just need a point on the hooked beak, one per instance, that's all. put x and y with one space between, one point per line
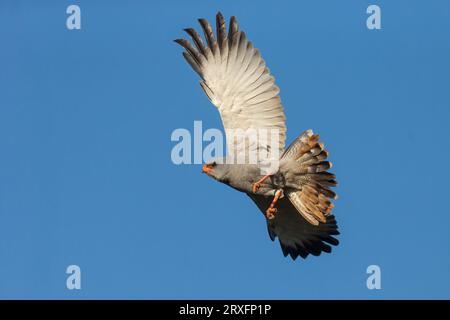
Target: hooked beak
206 169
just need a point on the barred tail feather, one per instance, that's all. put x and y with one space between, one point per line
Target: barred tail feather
310 191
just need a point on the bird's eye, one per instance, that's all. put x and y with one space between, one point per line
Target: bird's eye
211 164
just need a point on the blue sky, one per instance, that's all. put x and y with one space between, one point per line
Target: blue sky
86 176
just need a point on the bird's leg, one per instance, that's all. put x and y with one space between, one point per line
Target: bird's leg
258 184
270 212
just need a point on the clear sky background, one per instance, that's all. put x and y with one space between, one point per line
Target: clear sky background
86 176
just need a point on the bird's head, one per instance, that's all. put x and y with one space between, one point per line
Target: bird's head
216 170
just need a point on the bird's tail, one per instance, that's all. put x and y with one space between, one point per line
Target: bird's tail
309 189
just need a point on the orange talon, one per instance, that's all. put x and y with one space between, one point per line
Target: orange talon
258 184
270 212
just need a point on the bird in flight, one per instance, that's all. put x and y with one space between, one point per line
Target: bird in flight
294 195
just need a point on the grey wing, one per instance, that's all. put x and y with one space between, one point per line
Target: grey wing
235 78
297 236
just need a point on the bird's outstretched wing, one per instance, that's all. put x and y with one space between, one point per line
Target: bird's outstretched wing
236 80
297 236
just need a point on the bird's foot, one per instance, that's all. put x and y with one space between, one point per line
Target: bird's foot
257 185
270 213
